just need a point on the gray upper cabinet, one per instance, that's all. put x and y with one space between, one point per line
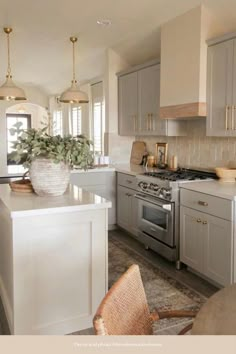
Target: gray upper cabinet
139 102
128 104
149 102
221 89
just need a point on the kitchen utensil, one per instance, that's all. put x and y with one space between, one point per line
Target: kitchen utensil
138 152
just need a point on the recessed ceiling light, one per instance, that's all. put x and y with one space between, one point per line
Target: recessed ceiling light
104 22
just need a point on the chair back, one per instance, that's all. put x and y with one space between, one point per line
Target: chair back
124 309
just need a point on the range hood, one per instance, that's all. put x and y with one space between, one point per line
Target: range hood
183 66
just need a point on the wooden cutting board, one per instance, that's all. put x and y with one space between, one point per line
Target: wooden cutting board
138 151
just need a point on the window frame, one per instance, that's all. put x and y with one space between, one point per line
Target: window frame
29 125
61 116
78 108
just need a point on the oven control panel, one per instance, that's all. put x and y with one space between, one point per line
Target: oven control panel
155 190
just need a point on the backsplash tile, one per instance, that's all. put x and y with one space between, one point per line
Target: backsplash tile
196 151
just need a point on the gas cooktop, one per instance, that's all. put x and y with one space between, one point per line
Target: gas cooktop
182 175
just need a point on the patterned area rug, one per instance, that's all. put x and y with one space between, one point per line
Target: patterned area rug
162 291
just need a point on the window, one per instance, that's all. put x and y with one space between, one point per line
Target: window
98 126
57 123
76 121
12 119
97 129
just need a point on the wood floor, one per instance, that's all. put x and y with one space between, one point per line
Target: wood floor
184 276
188 278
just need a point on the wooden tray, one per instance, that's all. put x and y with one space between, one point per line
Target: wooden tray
22 186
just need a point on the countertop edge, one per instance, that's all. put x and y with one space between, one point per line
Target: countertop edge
201 188
60 210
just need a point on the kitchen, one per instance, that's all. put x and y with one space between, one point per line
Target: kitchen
182 100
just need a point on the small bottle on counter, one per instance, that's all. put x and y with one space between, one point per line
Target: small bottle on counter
173 162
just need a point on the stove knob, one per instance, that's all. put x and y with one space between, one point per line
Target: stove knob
156 187
140 184
145 185
151 186
167 193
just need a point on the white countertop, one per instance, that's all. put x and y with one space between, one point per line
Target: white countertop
96 169
216 188
74 199
134 170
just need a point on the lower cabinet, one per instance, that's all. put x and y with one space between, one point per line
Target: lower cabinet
206 244
102 183
127 209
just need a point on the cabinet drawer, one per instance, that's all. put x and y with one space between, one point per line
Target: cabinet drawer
127 180
206 203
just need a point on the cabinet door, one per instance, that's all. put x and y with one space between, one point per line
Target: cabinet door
124 207
219 89
149 102
128 104
191 238
218 249
134 215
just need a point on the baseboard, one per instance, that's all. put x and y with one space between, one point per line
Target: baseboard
112 227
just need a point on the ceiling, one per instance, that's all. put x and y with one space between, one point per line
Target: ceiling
40 47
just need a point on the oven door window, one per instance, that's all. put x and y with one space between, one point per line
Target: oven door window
156 217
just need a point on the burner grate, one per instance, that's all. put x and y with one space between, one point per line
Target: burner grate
182 174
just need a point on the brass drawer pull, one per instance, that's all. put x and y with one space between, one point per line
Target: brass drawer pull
204 222
199 220
226 117
202 203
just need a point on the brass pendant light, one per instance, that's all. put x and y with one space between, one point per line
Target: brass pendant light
9 91
73 94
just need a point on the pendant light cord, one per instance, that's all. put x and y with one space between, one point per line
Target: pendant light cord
8 53
74 62
73 41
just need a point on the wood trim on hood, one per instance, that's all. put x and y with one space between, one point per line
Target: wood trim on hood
187 110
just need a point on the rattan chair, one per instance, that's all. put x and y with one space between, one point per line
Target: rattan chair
124 309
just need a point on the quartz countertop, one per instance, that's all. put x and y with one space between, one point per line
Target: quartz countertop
109 168
216 188
134 170
26 204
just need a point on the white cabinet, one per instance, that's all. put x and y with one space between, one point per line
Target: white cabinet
221 89
128 104
206 240
127 203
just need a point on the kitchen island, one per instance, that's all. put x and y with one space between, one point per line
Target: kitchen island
53 260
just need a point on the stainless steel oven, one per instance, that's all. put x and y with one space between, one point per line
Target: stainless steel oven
156 223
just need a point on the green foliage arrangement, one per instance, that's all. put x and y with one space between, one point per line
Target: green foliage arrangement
33 143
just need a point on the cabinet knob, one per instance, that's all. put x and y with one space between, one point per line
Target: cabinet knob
199 220
204 222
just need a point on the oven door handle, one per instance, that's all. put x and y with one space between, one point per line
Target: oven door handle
166 206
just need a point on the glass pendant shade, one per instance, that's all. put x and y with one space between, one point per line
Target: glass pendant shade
73 94
9 91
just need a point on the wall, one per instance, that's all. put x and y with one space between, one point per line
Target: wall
35 96
196 150
117 147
